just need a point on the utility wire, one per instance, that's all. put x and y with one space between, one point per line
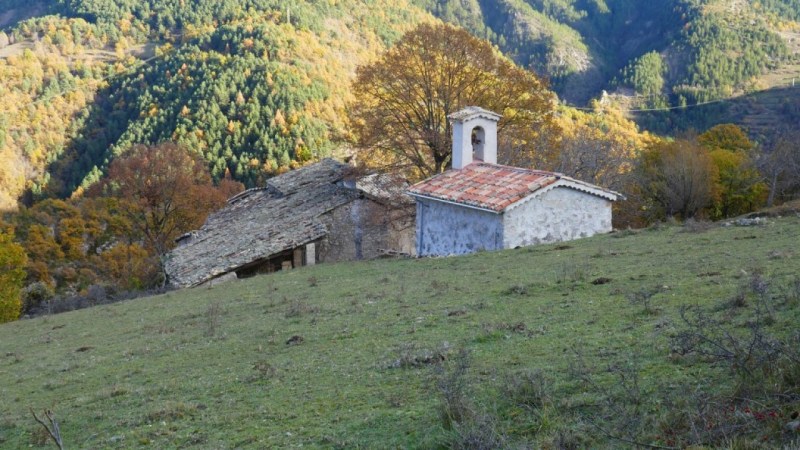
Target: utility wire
666 108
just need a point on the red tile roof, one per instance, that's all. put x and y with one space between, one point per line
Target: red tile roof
483 185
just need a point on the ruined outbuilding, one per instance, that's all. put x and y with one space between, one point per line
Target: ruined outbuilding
482 205
310 215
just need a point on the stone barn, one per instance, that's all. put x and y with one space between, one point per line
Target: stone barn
310 215
481 205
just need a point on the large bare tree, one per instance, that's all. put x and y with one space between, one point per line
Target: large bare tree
402 102
780 164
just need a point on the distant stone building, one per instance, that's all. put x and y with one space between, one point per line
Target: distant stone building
481 205
309 215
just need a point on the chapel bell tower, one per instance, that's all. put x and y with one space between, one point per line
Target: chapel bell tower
474 136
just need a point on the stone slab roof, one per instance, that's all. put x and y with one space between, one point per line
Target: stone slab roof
259 223
495 187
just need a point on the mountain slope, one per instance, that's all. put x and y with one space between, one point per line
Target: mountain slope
365 354
258 87
93 88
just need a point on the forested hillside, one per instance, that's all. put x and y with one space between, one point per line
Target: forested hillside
259 86
709 48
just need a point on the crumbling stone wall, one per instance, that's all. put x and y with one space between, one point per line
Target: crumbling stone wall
365 229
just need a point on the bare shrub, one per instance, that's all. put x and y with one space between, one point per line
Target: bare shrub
479 433
452 386
264 370
737 301
439 287
764 307
709 338
529 389
749 408
410 356
35 295
568 439
173 411
619 416
213 317
50 426
572 272
469 428
501 330
643 297
792 296
300 308
96 294
39 437
516 289
767 369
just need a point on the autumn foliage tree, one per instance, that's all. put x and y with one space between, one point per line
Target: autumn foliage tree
678 178
12 276
739 183
164 191
402 101
114 235
599 147
69 244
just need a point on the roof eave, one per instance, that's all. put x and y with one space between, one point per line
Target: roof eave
569 183
452 202
590 188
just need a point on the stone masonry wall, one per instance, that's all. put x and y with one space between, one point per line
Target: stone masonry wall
362 229
561 214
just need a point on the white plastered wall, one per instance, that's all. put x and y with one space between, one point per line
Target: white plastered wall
462 141
559 214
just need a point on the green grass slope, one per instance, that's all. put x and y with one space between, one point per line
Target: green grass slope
520 347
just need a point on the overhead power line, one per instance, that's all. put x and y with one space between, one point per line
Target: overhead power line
669 108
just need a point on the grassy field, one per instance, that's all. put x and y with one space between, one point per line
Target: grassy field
572 345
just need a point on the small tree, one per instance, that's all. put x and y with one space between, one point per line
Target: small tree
12 276
164 191
740 185
678 177
781 166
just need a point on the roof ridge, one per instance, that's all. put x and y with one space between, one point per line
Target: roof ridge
517 169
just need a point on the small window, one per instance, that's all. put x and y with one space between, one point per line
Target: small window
478 140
